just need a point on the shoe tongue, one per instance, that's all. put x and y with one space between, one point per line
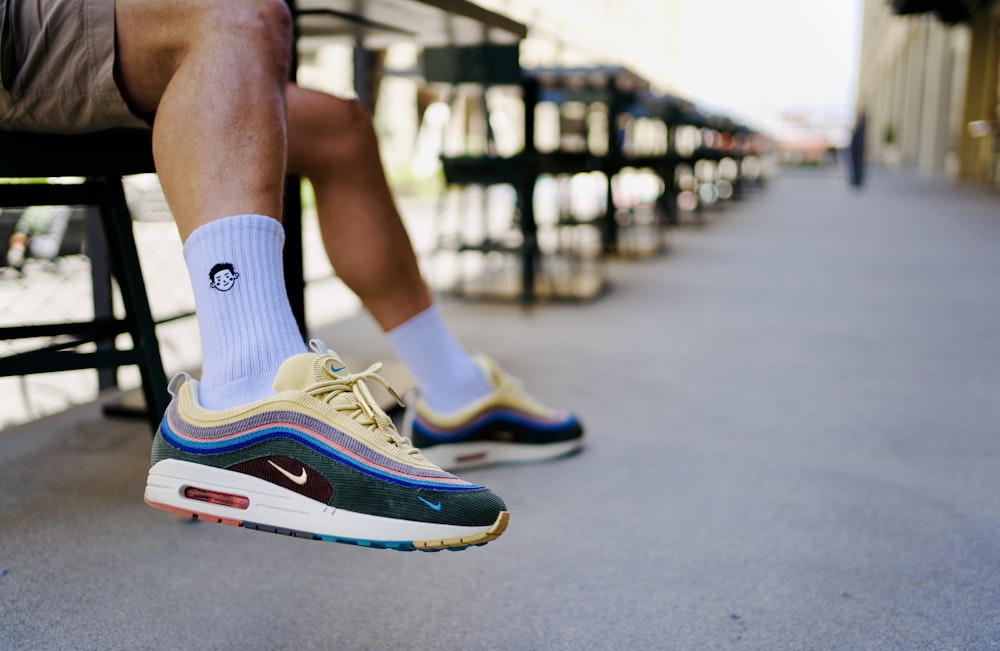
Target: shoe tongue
307 369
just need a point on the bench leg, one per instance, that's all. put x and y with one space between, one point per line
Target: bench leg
100 275
117 223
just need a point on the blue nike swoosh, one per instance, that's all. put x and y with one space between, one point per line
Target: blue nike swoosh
337 370
436 507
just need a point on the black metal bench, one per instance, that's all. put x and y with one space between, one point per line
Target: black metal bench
100 160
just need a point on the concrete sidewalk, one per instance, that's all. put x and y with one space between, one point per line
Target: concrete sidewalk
793 444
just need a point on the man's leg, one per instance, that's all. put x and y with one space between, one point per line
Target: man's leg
213 74
311 455
332 143
470 412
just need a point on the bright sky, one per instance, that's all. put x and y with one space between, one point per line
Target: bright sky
774 55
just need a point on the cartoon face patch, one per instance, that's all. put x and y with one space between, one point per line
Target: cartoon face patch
223 276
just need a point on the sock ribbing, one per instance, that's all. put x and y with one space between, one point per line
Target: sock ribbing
244 317
447 377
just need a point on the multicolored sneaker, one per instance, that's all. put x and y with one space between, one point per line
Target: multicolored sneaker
506 426
318 460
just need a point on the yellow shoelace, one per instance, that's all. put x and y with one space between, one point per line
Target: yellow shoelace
349 393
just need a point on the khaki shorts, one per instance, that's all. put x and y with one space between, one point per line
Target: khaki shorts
57 67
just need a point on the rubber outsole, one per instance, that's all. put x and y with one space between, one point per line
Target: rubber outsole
478 454
291 514
448 544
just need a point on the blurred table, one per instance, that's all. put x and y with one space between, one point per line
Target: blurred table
428 22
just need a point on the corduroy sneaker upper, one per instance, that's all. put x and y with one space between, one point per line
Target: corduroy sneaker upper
506 426
319 460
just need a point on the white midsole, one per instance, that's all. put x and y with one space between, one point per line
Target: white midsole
451 456
275 506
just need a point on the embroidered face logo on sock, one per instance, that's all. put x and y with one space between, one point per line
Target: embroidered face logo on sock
223 276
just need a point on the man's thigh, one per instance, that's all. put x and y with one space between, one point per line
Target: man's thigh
57 59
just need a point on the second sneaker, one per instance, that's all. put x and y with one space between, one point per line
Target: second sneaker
505 426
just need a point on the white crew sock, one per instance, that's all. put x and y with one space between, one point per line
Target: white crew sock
246 323
447 377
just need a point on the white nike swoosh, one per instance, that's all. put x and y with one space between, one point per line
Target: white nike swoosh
300 479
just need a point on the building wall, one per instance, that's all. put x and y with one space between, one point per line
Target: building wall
980 141
931 91
911 82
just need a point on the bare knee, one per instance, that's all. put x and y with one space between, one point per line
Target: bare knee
344 128
354 117
266 24
153 39
329 135
356 130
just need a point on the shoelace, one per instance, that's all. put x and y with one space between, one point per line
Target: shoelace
361 406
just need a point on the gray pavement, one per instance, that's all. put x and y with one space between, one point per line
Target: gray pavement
793 444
